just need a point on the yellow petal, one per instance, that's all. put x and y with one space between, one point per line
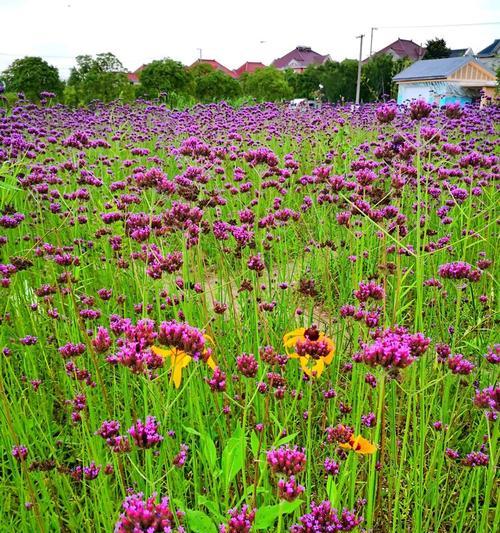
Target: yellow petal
290 338
318 368
314 371
364 446
211 363
161 351
360 445
178 363
209 338
328 359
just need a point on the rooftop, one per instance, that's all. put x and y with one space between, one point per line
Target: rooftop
301 56
404 48
490 50
434 69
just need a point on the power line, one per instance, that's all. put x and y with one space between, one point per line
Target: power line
441 25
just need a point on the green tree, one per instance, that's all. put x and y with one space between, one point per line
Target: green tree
378 73
100 78
212 85
339 80
165 76
292 78
266 84
32 75
436 49
307 83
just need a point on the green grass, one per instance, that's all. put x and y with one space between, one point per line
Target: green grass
416 489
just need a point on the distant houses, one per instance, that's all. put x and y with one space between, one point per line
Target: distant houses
299 59
458 78
215 65
443 81
402 49
249 67
134 77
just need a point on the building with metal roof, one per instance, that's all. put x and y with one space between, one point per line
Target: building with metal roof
443 81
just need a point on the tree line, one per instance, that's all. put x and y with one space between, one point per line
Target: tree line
104 78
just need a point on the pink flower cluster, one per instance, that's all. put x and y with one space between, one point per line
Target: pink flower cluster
146 435
324 518
459 270
183 337
394 348
148 515
286 460
239 521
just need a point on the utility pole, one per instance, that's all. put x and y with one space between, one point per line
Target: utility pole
371 40
358 84
199 50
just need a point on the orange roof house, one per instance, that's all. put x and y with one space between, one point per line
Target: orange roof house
215 65
248 66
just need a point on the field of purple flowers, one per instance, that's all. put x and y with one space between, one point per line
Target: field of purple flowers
255 319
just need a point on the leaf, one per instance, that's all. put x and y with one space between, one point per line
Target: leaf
268 514
286 439
211 506
191 431
254 443
199 522
232 458
209 450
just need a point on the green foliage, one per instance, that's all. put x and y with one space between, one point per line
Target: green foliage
267 84
336 81
378 73
308 83
233 458
165 76
436 49
339 80
199 522
31 76
100 78
212 85
267 515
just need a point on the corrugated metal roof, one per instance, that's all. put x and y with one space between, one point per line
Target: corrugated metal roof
433 69
490 50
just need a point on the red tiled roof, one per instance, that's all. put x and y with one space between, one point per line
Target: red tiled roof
216 65
249 66
404 48
132 77
303 56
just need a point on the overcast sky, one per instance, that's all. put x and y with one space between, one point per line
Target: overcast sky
231 31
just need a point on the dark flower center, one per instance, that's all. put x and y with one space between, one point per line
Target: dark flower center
312 333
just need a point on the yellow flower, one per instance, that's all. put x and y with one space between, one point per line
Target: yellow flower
311 366
180 359
360 445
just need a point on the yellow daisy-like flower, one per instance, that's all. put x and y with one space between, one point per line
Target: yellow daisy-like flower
180 359
299 338
359 445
